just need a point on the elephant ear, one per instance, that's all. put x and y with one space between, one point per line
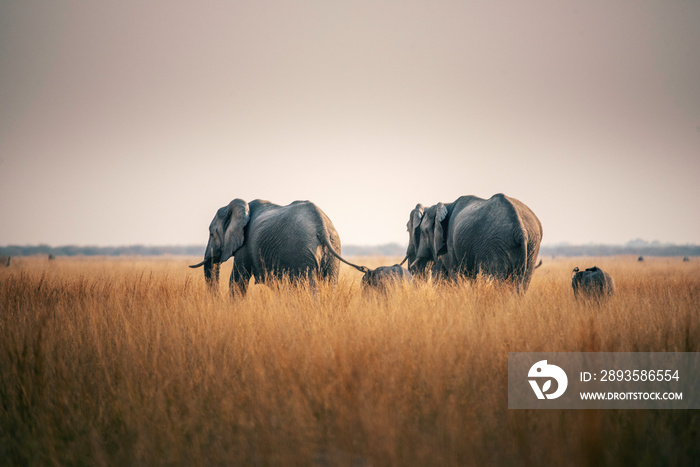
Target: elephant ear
439 245
233 235
413 227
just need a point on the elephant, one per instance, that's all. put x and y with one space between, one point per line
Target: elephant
425 265
498 237
385 275
271 241
593 283
5 260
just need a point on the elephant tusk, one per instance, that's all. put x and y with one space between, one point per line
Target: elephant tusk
413 263
403 261
194 266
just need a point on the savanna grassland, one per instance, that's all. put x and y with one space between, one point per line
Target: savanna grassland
135 362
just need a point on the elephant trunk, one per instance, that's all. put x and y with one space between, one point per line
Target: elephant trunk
211 272
211 263
418 265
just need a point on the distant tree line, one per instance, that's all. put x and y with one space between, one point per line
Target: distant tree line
130 250
636 247
616 250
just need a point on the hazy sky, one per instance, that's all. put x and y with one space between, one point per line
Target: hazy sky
133 122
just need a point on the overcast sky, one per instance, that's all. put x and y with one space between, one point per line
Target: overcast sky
133 122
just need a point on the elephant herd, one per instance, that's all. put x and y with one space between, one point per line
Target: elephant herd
497 237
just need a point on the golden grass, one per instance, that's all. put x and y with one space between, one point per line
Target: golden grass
135 362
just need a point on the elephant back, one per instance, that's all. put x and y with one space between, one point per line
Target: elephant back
285 239
499 237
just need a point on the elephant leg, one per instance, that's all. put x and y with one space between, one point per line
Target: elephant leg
329 268
304 277
239 281
313 277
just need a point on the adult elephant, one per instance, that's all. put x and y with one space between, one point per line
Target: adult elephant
267 240
499 237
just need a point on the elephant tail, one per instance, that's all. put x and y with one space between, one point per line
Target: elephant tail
325 241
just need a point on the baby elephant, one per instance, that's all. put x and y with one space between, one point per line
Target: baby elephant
385 275
592 283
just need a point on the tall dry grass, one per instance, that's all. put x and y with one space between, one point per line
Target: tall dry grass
135 362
